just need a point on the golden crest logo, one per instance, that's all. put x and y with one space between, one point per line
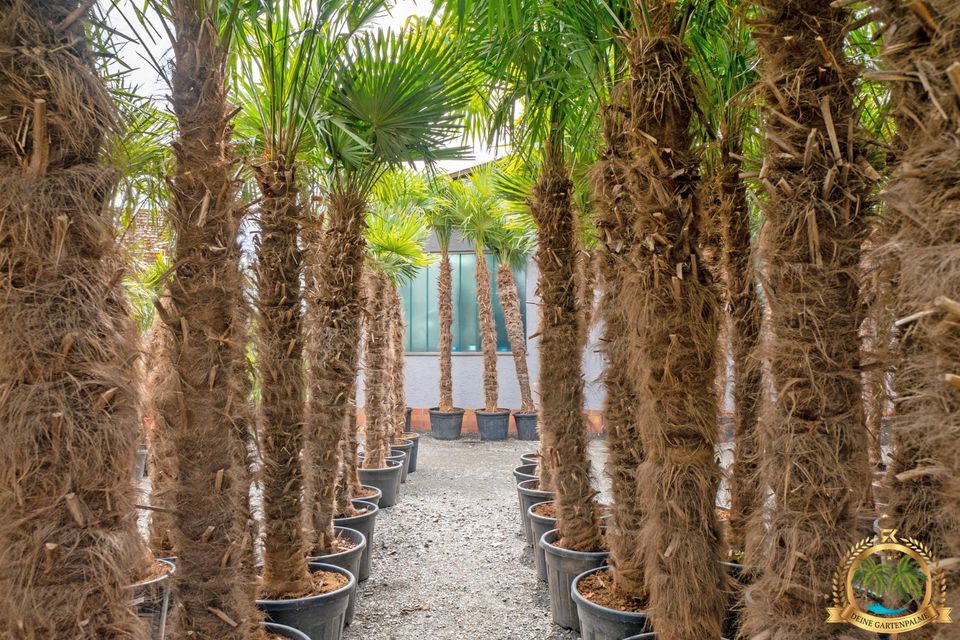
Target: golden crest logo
891 584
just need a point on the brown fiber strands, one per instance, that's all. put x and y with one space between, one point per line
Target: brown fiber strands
206 407
923 197
68 387
398 394
816 207
510 301
334 293
376 379
445 304
488 331
562 423
673 324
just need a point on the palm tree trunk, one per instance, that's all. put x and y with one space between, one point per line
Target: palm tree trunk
510 301
587 283
923 202
488 332
377 373
335 296
280 361
445 303
398 395
673 318
622 423
69 405
163 457
565 465
733 214
811 429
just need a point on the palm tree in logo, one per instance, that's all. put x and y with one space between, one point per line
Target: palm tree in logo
891 586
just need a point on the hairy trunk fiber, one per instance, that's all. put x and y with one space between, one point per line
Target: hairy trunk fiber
207 409
335 299
445 303
565 466
398 394
377 372
587 271
624 443
163 458
68 386
815 220
280 361
733 215
488 332
925 205
510 301
673 321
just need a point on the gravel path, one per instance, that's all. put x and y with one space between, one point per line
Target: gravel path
449 561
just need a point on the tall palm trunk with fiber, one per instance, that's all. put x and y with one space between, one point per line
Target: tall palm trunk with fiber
925 206
376 379
207 409
733 214
445 304
673 323
335 296
510 301
398 395
488 331
158 386
68 537
565 466
624 443
280 362
811 428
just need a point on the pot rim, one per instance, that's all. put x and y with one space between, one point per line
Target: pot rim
347 520
314 567
456 410
539 518
171 569
391 465
533 492
578 598
276 628
500 411
362 544
548 545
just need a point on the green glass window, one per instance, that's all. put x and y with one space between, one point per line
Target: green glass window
421 312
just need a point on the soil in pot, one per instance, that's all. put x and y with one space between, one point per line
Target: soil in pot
364 521
493 425
649 636
530 494
526 472
542 517
351 544
604 612
446 425
369 494
526 426
321 614
414 452
150 596
563 566
386 479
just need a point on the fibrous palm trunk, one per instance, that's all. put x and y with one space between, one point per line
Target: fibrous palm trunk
733 214
335 297
280 362
811 428
565 465
207 409
68 536
398 395
377 372
445 304
510 301
673 326
925 207
162 462
624 443
488 332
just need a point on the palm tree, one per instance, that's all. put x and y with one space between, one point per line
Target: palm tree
69 539
376 367
442 224
924 472
397 99
815 212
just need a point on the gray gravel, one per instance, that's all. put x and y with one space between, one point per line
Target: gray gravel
449 561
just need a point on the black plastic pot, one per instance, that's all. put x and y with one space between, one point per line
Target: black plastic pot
649 636
525 472
407 418
349 560
414 452
526 426
321 617
539 525
529 496
563 566
387 479
530 458
365 523
602 623
395 456
284 631
151 600
374 499
446 425
493 425
406 448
